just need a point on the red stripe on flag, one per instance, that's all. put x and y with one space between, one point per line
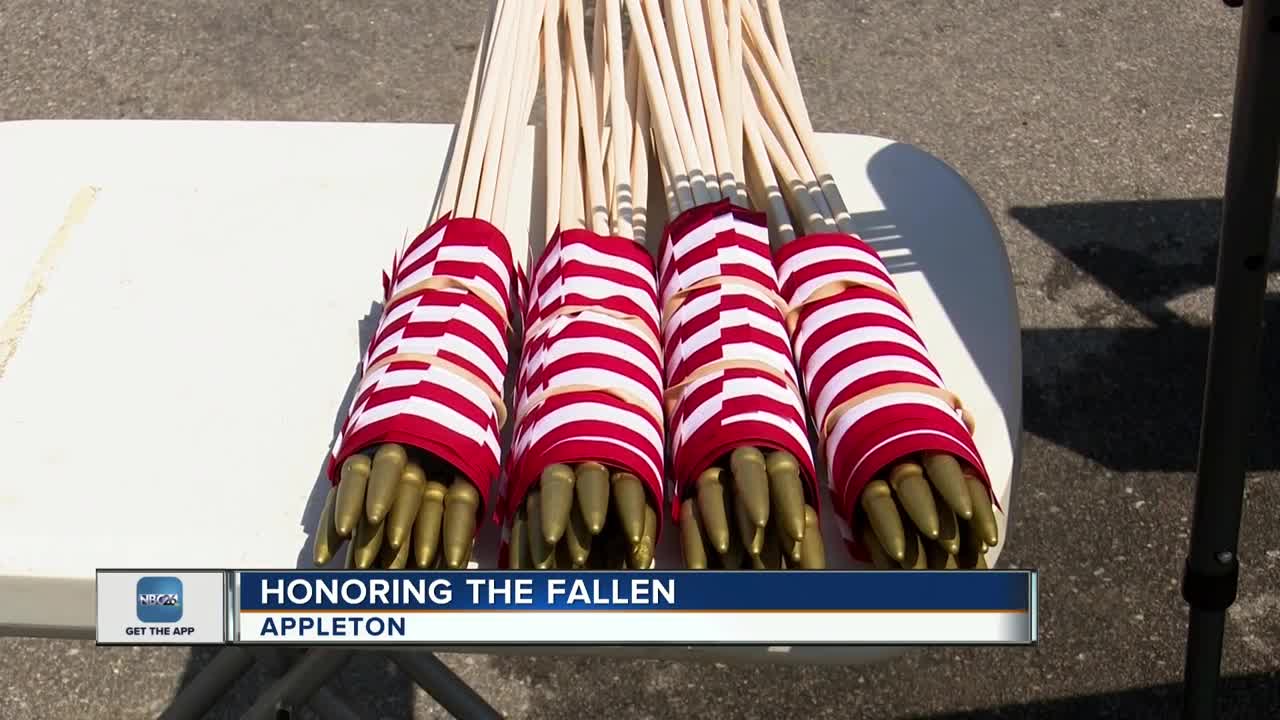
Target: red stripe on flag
580 268
885 436
730 319
472 455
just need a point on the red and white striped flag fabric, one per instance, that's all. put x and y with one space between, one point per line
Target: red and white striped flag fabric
590 380
873 393
731 379
433 374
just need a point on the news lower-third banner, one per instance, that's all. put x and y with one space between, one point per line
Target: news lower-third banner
302 607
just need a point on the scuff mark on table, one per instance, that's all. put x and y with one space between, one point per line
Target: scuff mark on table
15 324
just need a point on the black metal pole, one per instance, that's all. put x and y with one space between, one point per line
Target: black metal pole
1212 570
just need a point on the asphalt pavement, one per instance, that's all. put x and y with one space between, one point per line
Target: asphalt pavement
1096 131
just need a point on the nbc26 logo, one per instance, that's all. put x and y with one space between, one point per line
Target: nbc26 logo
159 599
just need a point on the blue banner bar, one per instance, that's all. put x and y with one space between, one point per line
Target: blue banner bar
687 591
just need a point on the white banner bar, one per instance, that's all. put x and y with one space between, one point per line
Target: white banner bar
637 628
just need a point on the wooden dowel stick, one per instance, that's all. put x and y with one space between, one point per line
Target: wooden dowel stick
599 62
633 90
671 157
793 101
497 75
671 186
726 81
728 182
553 86
447 196
571 196
502 134
776 117
774 205
601 79
792 184
640 164
670 81
620 116
522 93
678 27
778 30
610 176
593 169
735 86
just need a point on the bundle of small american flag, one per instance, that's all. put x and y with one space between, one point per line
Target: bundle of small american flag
585 480
745 490
910 487
418 455
699 379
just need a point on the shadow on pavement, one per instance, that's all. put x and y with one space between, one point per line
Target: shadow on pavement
1130 397
1241 696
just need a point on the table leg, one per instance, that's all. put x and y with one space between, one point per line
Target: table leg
301 682
330 706
205 689
326 703
453 694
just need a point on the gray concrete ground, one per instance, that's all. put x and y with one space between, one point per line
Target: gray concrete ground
1096 131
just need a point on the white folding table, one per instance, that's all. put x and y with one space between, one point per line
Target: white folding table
184 305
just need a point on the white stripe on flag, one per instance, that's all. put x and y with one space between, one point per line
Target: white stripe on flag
754 231
430 411
824 316
420 312
426 272
850 374
831 482
584 253
791 429
852 338
700 235
604 378
711 267
643 454
565 348
596 288
906 397
730 389
818 255
424 248
591 411
646 338
450 343
806 289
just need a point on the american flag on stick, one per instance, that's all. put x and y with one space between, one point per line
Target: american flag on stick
745 491
909 484
416 461
585 481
